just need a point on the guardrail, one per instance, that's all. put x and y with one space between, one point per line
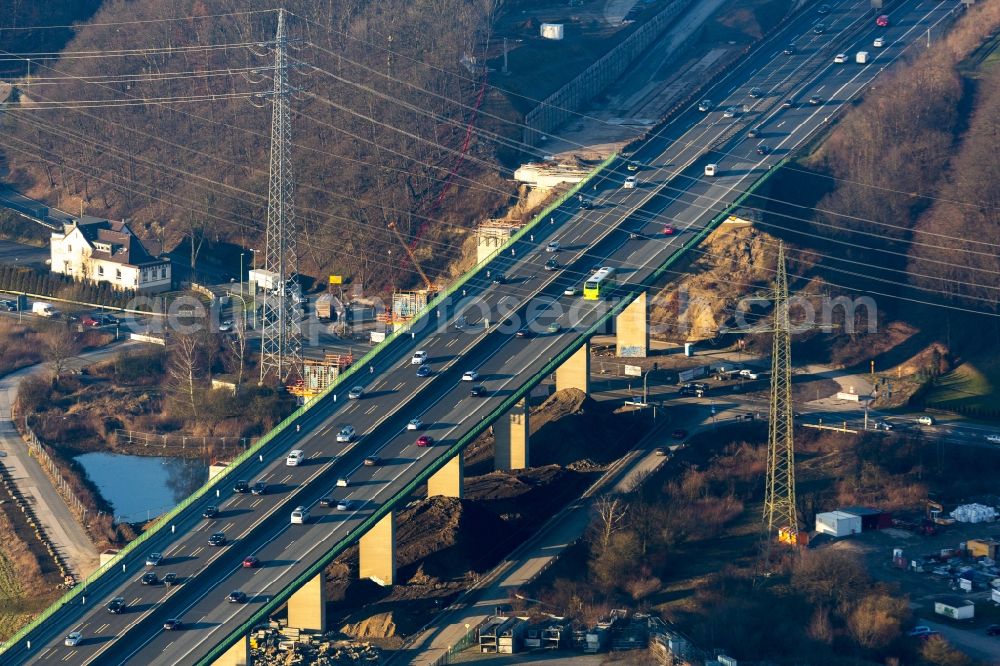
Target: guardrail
281 597
299 413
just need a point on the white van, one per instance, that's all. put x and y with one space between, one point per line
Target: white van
925 420
629 183
300 516
418 358
711 169
43 309
294 458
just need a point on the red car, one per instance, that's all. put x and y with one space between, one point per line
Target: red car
680 433
425 440
668 230
90 321
882 21
249 562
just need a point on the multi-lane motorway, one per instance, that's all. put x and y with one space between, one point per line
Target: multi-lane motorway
624 229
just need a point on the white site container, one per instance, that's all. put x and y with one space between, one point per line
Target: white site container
838 523
552 30
956 610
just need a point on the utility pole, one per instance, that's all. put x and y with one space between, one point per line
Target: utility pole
780 513
281 337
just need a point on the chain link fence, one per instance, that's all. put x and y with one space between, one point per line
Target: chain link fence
182 443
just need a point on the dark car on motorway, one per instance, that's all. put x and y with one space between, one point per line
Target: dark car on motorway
241 487
173 624
171 579
477 391
679 433
237 597
217 539
763 149
117 605
259 488
210 512
327 502
149 578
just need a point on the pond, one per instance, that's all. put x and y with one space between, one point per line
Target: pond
142 487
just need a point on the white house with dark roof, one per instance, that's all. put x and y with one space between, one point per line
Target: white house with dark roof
101 250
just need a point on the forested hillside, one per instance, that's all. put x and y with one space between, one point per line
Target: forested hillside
20 31
172 128
913 207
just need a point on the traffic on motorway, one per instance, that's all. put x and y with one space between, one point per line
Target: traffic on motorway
357 455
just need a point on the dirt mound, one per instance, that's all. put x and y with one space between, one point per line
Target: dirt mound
446 536
507 485
570 427
380 625
734 261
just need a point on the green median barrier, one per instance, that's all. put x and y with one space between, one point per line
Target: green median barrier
258 446
281 597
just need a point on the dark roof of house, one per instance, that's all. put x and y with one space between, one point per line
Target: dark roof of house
861 511
955 602
127 248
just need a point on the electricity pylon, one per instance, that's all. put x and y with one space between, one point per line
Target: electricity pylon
281 337
779 501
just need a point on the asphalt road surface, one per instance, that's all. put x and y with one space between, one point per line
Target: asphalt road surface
624 230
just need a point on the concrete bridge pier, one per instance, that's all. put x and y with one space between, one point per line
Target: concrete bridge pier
632 329
307 607
448 480
511 442
237 655
377 556
575 371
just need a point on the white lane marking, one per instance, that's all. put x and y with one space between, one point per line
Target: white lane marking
595 241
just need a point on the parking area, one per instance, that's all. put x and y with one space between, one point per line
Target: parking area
930 570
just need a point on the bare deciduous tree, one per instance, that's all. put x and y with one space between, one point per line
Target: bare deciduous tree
610 518
876 620
184 368
60 346
238 345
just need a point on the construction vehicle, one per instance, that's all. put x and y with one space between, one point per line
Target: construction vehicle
935 514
